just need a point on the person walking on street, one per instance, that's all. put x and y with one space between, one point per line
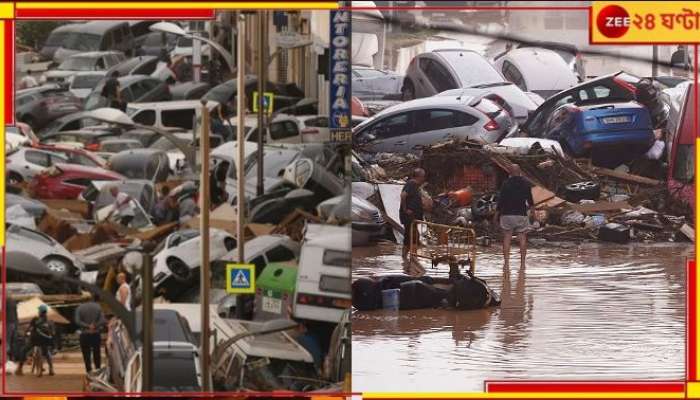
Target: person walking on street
515 204
411 208
41 335
11 327
90 320
124 291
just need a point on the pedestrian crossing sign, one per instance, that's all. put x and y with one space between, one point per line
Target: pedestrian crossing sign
240 278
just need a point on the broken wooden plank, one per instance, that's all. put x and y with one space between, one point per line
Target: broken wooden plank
625 176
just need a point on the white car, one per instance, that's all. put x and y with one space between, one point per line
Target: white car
184 46
537 70
407 127
14 141
53 254
26 162
83 83
286 128
323 279
168 114
83 62
179 256
440 71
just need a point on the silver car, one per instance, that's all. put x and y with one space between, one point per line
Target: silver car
26 162
53 254
406 127
440 70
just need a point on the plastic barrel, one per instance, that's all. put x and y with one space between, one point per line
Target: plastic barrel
390 299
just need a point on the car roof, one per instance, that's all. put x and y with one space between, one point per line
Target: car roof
168 326
427 102
174 104
550 45
533 61
88 170
328 236
229 150
94 27
94 54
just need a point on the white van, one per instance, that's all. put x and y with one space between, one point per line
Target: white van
323 280
168 114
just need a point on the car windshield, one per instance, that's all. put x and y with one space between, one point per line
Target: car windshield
176 371
85 81
81 41
471 68
57 38
78 64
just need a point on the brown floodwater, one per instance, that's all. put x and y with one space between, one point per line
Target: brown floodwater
576 312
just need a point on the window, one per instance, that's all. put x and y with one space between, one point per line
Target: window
336 284
138 90
395 125
118 36
37 157
178 118
146 68
78 181
146 117
440 77
684 168
432 120
512 74
464 119
127 95
336 258
280 253
81 159
283 130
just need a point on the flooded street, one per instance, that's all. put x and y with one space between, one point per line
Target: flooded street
579 312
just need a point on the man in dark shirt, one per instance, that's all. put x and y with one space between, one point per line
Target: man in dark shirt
90 320
111 91
514 201
11 327
411 207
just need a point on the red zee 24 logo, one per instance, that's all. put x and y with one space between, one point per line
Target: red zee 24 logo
613 21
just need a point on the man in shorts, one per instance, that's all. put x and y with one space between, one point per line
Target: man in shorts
515 203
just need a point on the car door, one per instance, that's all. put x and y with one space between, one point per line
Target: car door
34 162
315 130
436 125
388 135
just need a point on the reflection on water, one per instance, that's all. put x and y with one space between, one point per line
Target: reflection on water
576 312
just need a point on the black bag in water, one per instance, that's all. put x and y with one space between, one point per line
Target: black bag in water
366 294
471 293
416 294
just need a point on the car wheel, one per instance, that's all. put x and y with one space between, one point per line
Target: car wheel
15 178
408 91
586 190
229 244
485 206
58 265
181 271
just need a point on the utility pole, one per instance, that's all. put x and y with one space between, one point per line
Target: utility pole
262 79
240 197
147 320
196 60
204 280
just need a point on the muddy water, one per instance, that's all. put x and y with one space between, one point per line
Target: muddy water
576 312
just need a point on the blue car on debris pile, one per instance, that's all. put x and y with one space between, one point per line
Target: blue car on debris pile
616 132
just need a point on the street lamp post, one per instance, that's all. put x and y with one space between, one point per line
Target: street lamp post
169 27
